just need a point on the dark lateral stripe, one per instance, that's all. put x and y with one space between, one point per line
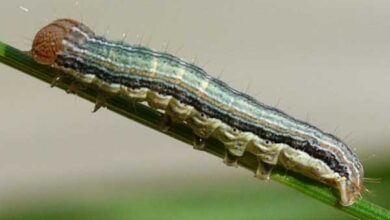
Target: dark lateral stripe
68 61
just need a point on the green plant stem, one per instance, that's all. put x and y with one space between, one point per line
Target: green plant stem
19 60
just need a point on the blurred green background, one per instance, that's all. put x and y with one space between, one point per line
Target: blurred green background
227 198
326 62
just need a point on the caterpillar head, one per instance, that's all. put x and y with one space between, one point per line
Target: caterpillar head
47 42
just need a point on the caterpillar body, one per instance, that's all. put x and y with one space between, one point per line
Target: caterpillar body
187 94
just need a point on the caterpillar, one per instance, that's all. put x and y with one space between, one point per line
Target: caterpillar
187 94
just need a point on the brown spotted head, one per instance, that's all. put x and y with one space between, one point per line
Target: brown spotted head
48 41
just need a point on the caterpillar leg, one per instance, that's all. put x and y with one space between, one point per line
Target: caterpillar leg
74 87
199 143
347 196
230 159
166 123
101 101
57 80
263 171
